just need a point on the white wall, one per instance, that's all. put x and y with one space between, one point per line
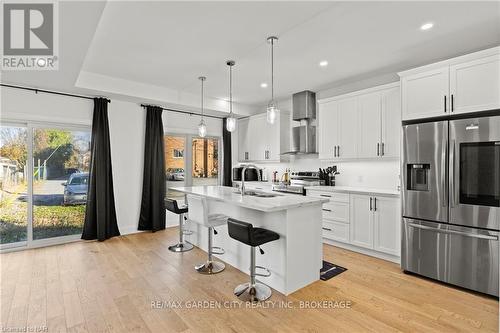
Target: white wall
126 127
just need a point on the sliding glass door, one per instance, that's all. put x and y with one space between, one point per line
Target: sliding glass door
61 170
44 176
191 161
13 185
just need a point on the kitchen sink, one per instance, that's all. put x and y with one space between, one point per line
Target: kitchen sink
258 194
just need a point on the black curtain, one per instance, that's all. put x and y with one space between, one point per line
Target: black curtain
227 168
100 214
153 185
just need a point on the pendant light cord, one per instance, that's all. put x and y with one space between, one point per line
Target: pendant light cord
272 69
230 90
202 99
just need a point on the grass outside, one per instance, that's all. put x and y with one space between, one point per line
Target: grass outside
48 221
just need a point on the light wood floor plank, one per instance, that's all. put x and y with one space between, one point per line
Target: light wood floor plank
110 286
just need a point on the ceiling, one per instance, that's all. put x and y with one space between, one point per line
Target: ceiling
156 50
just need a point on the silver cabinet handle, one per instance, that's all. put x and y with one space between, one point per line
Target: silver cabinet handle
452 104
382 152
378 149
445 103
327 229
371 199
338 151
327 210
454 232
334 151
374 204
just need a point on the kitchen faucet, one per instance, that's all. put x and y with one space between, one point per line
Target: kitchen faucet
245 167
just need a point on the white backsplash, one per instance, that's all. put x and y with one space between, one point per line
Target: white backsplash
382 174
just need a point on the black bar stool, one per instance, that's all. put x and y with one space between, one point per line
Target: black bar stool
245 232
182 246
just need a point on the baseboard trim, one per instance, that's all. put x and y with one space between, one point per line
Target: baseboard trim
371 253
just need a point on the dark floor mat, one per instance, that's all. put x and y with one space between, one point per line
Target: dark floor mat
330 270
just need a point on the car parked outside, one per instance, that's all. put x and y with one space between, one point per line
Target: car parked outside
75 189
175 174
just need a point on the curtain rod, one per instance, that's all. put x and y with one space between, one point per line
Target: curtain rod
185 112
36 90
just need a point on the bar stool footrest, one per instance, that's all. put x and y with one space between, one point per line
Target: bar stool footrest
218 250
266 274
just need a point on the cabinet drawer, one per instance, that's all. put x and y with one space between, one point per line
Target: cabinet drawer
336 230
333 196
338 211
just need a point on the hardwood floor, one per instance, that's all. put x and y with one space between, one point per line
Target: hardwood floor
110 286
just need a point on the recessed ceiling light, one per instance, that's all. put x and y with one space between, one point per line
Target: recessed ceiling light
323 63
427 26
263 85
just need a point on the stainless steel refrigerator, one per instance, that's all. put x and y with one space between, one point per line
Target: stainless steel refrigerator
451 201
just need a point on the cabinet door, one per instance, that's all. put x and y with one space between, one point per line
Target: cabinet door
361 217
474 85
243 139
256 140
369 125
347 128
387 221
391 123
328 134
270 134
425 94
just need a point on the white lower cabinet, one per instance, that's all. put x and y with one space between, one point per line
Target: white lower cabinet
362 221
375 223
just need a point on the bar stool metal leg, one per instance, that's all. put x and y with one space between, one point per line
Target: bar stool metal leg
182 246
211 266
253 291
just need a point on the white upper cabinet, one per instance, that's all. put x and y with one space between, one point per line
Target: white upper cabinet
259 141
464 84
370 106
347 128
328 133
425 94
391 123
474 85
363 124
243 147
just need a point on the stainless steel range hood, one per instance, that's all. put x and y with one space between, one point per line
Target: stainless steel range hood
303 136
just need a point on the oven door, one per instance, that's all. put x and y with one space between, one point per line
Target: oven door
475 172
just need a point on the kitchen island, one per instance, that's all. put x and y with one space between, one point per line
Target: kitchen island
294 260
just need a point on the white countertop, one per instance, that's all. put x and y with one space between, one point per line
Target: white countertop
352 189
229 195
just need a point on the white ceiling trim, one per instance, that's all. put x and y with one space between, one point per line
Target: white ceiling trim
169 98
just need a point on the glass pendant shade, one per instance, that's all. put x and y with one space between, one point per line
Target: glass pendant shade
231 123
202 129
272 112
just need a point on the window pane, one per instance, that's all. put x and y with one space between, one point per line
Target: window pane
13 184
61 162
205 161
174 164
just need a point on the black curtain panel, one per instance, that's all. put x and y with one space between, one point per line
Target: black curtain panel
100 214
227 168
153 185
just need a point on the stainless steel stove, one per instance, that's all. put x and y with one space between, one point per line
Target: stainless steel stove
298 181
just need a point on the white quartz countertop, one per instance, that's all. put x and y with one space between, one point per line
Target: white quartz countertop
352 189
229 195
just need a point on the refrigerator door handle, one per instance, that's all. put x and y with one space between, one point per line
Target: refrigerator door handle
452 174
443 173
461 233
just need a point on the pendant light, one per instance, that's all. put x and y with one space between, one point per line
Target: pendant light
272 106
231 120
202 128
